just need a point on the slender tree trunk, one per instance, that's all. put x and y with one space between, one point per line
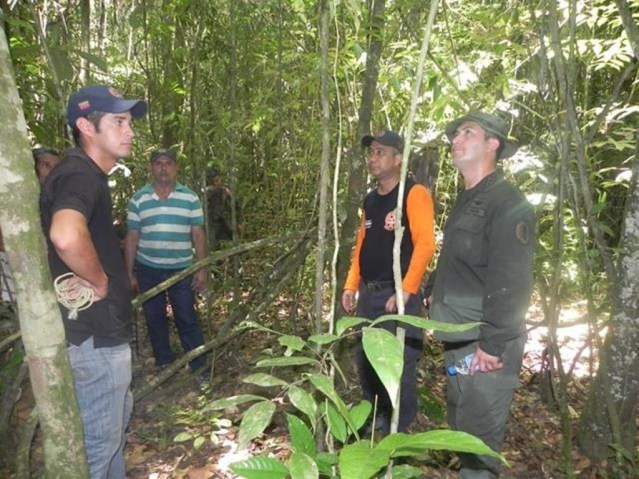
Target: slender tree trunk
354 163
609 418
40 321
324 167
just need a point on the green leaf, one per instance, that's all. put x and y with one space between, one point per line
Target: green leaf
281 362
385 354
431 404
359 461
401 444
264 380
254 421
348 322
101 63
325 462
292 344
183 436
260 467
61 63
302 466
426 323
302 439
232 401
322 339
407 472
335 423
304 402
199 442
324 384
360 413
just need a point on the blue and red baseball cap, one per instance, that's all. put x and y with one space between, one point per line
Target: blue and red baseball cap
101 98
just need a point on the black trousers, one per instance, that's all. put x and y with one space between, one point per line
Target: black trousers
371 305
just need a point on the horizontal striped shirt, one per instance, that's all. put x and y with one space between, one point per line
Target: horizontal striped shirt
164 226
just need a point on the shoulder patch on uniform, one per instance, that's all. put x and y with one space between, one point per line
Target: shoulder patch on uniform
522 232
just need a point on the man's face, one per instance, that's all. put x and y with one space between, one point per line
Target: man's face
383 161
216 181
44 165
470 144
164 170
114 134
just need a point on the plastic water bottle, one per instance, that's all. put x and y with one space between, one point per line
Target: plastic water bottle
461 367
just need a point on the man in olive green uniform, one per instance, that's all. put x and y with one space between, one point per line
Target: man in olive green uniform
483 274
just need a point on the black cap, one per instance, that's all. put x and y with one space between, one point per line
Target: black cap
385 137
492 124
162 152
101 98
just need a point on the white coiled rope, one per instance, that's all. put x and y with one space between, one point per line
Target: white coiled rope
74 297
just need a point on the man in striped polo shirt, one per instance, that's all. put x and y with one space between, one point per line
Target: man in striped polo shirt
165 224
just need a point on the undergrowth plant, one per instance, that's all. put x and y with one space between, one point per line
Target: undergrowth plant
346 454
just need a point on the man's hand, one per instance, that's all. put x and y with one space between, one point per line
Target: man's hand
391 303
348 300
484 362
133 279
199 280
99 291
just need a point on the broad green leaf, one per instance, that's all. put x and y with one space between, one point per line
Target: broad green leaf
385 354
61 63
302 439
335 423
324 384
359 461
260 467
292 344
183 436
401 444
254 421
280 362
348 322
101 63
407 472
302 466
425 323
360 413
199 442
304 402
325 462
232 401
322 339
264 380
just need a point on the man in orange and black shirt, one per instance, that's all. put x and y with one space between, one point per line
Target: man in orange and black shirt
369 286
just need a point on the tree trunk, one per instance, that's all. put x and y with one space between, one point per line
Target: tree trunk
610 415
356 170
40 320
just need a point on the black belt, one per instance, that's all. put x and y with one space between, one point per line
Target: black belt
378 285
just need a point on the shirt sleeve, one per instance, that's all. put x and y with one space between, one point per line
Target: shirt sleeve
509 277
353 277
421 218
197 214
73 191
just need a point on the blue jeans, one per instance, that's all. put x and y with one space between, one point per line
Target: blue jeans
102 379
182 299
370 304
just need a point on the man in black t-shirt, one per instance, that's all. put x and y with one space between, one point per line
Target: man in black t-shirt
75 206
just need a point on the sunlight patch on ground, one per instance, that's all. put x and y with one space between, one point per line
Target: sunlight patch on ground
572 339
231 456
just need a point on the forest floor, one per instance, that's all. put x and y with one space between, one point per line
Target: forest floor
533 444
169 437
